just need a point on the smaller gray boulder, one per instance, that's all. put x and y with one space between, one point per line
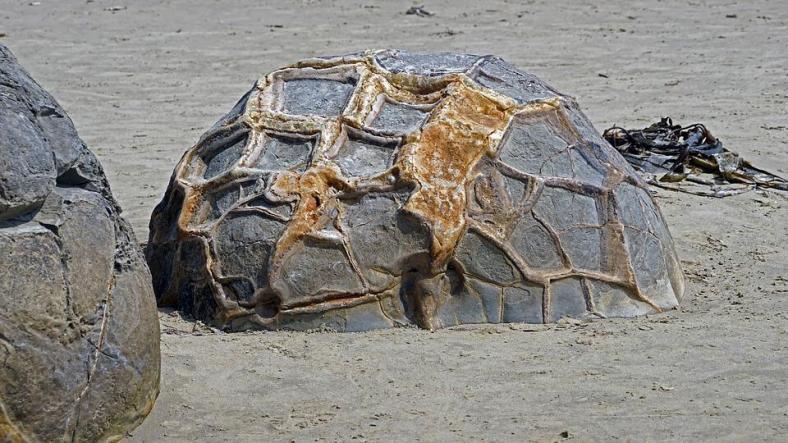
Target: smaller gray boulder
79 333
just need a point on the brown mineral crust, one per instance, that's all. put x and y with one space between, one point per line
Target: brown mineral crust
458 185
459 132
9 432
313 190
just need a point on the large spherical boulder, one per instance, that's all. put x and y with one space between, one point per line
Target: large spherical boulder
388 188
79 333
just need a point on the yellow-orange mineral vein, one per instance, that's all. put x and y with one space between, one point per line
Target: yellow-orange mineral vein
465 126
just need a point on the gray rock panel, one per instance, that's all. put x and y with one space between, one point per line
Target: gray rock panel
523 304
559 165
358 158
317 268
562 209
225 159
27 168
458 305
88 254
516 189
671 257
530 144
425 64
614 301
86 173
506 79
222 200
383 237
32 279
586 168
60 135
285 153
535 245
491 297
322 97
482 258
460 309
244 243
567 299
635 207
398 118
648 262
583 246
573 164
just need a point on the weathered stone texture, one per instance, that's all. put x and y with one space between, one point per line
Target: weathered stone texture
387 188
79 335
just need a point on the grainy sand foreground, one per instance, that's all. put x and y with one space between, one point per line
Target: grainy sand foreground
143 79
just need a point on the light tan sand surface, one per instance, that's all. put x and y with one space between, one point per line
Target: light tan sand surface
143 79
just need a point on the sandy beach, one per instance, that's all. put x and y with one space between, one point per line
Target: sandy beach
143 79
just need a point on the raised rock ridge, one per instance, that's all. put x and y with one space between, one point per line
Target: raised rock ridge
387 188
79 332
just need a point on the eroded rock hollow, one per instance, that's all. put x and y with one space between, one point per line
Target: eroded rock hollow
79 330
387 188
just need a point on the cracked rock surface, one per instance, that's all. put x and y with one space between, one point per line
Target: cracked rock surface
387 188
79 333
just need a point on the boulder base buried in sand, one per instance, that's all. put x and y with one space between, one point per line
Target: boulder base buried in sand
79 333
387 188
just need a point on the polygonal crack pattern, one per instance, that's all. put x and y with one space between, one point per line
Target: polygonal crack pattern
502 77
342 198
244 243
547 146
384 239
649 244
534 242
317 268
